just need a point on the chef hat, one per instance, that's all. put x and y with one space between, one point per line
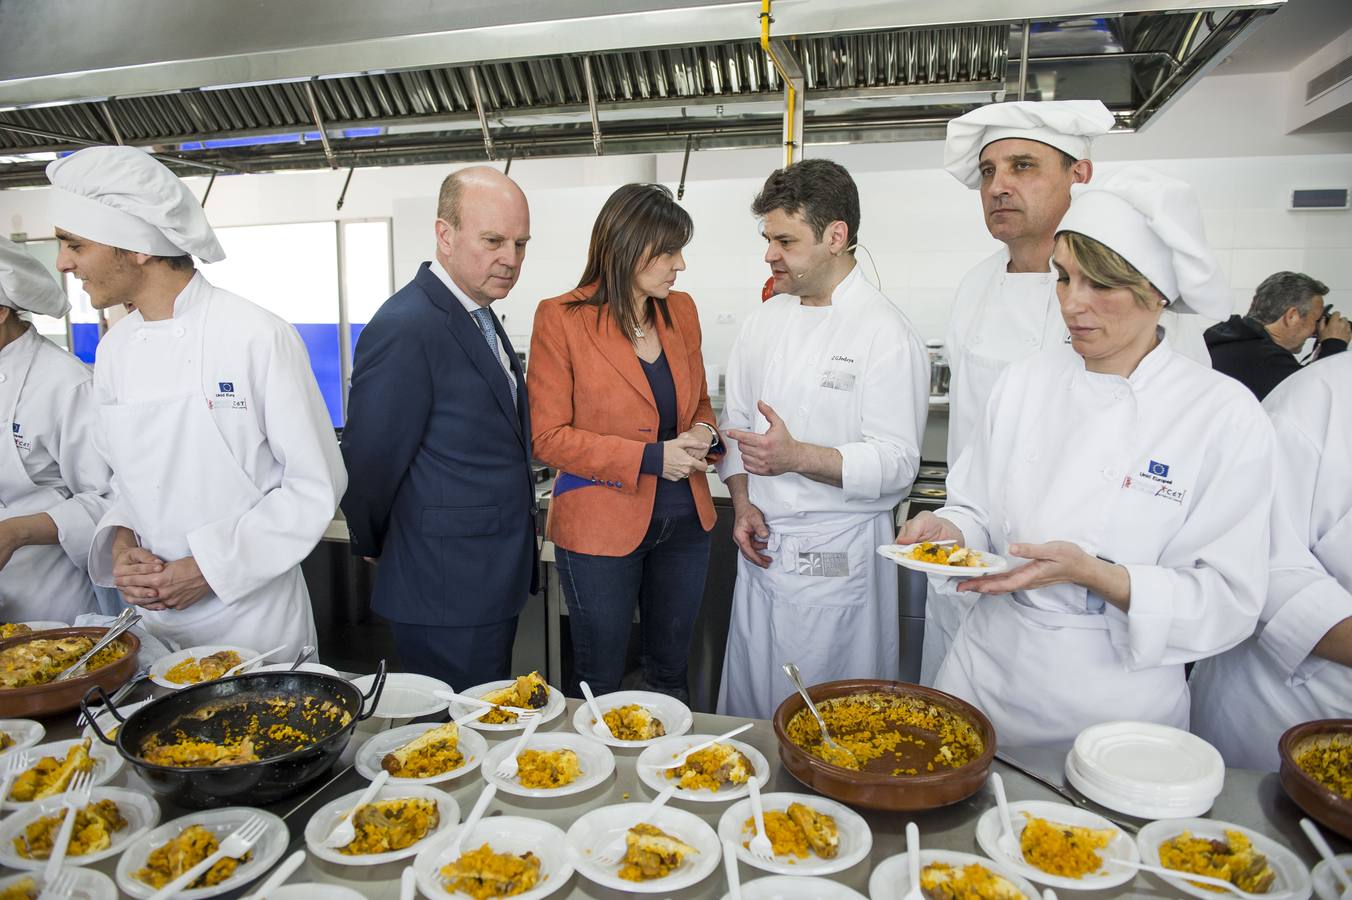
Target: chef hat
1067 125
1153 222
124 197
26 284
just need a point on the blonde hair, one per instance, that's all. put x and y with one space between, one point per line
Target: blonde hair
1103 265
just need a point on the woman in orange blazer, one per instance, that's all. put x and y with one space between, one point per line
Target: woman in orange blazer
620 408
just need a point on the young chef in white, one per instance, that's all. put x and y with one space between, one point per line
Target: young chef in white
53 482
826 402
1134 480
225 467
1299 665
1022 159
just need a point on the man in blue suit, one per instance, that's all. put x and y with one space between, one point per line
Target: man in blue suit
437 444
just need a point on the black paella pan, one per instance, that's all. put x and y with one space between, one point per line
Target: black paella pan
298 724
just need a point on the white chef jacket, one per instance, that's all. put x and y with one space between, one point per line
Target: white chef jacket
998 318
851 376
275 476
47 403
1165 472
1244 699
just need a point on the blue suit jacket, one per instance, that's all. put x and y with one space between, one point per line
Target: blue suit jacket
438 460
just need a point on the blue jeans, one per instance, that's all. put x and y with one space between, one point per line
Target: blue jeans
664 577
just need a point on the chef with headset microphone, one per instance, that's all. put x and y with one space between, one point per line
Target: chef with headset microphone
826 397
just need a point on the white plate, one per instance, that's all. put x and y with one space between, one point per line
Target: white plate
891 878
89 884
786 887
596 761
317 668
313 891
43 625
553 708
674 715
141 812
856 840
107 762
222 823
471 745
505 834
1291 873
665 750
107 720
405 695
1146 770
1326 886
897 553
600 826
1121 847
322 822
26 733
162 665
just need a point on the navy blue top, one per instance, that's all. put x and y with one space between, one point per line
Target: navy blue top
673 497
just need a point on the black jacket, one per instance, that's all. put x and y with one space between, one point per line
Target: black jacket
1242 349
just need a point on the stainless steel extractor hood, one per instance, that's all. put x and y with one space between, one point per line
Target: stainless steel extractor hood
269 85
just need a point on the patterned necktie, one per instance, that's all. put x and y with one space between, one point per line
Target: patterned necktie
484 316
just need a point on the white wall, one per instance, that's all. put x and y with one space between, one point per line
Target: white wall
921 227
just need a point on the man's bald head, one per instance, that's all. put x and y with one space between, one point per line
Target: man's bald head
472 180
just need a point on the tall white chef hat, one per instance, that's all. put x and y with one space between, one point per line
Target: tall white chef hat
26 284
1153 222
1067 125
124 197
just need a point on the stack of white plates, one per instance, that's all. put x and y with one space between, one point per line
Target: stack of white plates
1146 770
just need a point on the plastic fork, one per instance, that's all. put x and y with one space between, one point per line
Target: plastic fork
472 820
730 869
599 726
72 801
408 885
343 833
913 862
680 760
279 876
1326 852
792 671
239 842
1008 841
509 766
1198 879
453 697
235 670
614 850
14 764
62 887
760 844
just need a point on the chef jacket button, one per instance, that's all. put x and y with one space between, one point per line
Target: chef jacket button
1008 529
3 377
180 331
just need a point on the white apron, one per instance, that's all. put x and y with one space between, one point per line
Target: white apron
176 473
827 603
39 582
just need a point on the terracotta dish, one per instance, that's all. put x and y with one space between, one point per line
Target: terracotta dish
38 700
1321 803
875 786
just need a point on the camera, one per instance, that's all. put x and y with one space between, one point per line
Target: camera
1328 313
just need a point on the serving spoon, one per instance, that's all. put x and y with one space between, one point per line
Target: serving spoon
792 671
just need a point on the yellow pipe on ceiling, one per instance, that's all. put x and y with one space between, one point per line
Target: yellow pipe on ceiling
790 93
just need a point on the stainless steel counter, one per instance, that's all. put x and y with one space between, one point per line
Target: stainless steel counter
1251 799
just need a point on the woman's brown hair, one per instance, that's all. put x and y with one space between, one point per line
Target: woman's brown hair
637 223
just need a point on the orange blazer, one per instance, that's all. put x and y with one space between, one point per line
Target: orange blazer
592 413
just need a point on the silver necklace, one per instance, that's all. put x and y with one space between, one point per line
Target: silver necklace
638 332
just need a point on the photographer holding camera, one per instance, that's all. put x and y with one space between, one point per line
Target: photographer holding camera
1259 348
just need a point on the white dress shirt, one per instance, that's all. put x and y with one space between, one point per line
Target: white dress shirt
470 306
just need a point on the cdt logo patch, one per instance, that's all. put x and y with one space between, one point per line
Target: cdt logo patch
226 397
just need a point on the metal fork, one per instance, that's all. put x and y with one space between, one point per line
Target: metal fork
509 766
614 851
74 800
760 844
62 887
14 764
235 846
